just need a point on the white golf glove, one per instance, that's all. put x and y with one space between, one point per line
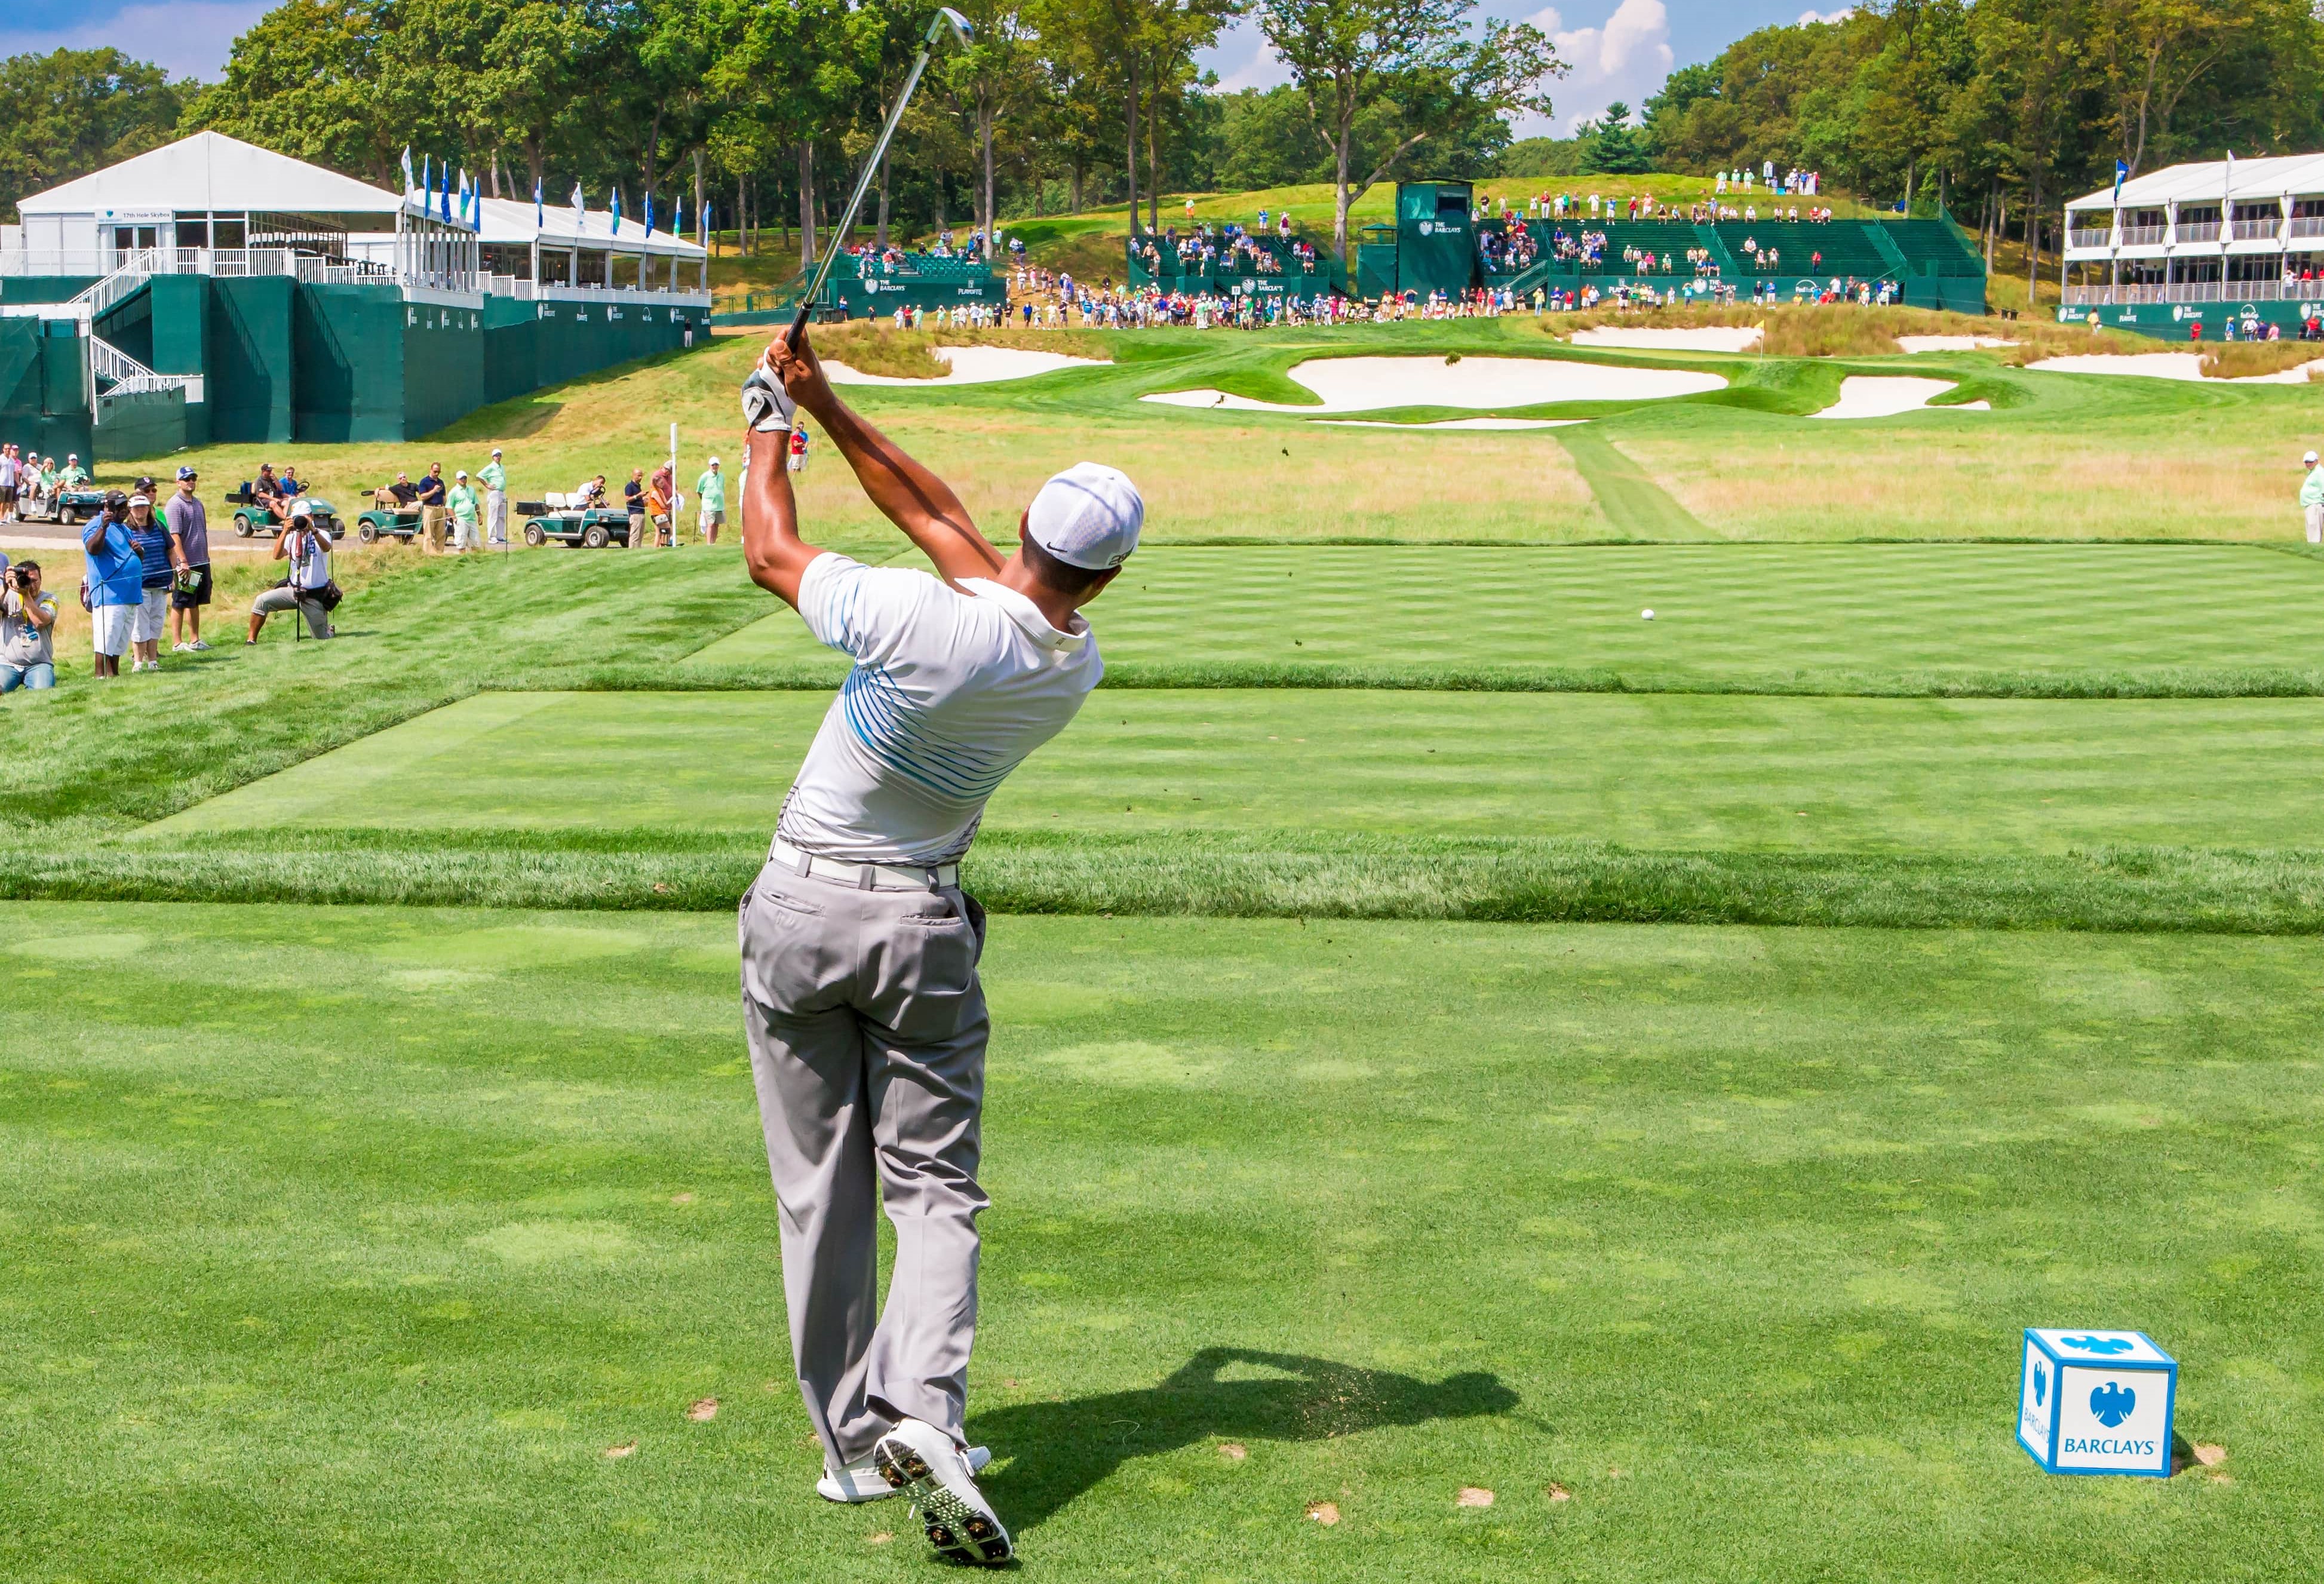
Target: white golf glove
767 406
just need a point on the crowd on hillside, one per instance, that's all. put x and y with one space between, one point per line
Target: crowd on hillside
1646 206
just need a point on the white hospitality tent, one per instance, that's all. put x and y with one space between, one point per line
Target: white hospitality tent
550 246
210 191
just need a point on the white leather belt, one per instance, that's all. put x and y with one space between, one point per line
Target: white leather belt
867 876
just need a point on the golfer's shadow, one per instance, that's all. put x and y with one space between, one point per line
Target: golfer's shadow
1056 1450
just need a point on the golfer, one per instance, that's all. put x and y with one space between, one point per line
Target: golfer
2312 499
866 1022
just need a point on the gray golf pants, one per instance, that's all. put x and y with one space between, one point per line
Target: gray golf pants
867 1030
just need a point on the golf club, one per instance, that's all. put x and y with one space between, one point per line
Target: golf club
946 20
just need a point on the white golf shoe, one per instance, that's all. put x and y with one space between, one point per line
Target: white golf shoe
862 1481
959 1522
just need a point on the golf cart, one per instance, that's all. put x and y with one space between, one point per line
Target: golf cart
387 518
560 518
252 520
68 506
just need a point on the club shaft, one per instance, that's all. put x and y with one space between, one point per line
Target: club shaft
838 238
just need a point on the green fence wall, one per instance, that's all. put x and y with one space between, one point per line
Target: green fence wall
443 367
249 383
43 289
512 347
43 389
1435 239
145 423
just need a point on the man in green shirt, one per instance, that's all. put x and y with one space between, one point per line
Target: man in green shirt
74 474
710 489
494 478
2312 499
465 504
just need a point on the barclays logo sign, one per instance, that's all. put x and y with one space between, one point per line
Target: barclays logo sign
2113 1403
2106 1346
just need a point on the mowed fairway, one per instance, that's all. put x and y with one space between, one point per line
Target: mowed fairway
350 1244
1669 770
1727 612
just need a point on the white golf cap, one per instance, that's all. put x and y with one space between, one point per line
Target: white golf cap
1087 516
497 450
714 462
302 509
2311 457
460 472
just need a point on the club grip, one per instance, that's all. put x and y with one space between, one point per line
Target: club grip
792 337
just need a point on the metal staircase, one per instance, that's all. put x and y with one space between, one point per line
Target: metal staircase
113 372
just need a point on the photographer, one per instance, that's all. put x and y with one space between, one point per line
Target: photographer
28 628
114 583
308 590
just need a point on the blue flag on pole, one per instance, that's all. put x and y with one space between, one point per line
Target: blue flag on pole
617 211
648 212
539 221
2121 175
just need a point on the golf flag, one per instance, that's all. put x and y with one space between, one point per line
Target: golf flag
539 220
580 210
617 211
407 170
2121 175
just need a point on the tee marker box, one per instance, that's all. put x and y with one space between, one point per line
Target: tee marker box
2095 1402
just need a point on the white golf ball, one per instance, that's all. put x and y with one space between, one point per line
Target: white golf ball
1646 615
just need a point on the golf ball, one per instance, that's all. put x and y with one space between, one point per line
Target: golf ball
1646 615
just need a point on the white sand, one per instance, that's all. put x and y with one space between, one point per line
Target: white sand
971 366
1915 344
1710 338
2158 365
1453 423
1366 385
1866 396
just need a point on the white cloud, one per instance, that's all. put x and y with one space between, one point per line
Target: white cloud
191 37
1625 59
1842 15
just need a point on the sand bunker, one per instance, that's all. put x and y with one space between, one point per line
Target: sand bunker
1867 396
1367 385
1710 338
1453 423
2158 365
1916 344
971 366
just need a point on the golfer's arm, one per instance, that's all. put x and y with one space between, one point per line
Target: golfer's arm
771 547
910 496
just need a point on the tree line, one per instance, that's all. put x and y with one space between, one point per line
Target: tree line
1997 108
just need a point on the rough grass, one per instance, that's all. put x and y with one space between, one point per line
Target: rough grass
875 346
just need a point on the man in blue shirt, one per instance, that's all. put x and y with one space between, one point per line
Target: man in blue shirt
115 580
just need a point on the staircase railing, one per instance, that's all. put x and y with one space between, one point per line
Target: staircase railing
140 267
125 376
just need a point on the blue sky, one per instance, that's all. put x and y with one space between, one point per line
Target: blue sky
1619 49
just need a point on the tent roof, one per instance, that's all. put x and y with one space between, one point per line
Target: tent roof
2272 177
210 170
510 220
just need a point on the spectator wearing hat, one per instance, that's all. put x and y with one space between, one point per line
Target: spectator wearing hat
465 505
494 478
431 508
114 584
28 628
150 535
308 548
710 489
189 555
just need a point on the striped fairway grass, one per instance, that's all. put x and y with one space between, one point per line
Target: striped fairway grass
1668 771
1734 611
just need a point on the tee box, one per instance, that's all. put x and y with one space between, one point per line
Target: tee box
2097 1403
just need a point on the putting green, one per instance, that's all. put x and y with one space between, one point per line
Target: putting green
1673 771
349 1243
1719 609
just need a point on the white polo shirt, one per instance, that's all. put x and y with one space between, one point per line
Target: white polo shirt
950 693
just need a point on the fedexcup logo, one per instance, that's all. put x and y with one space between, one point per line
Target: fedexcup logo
2113 1403
2105 1345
